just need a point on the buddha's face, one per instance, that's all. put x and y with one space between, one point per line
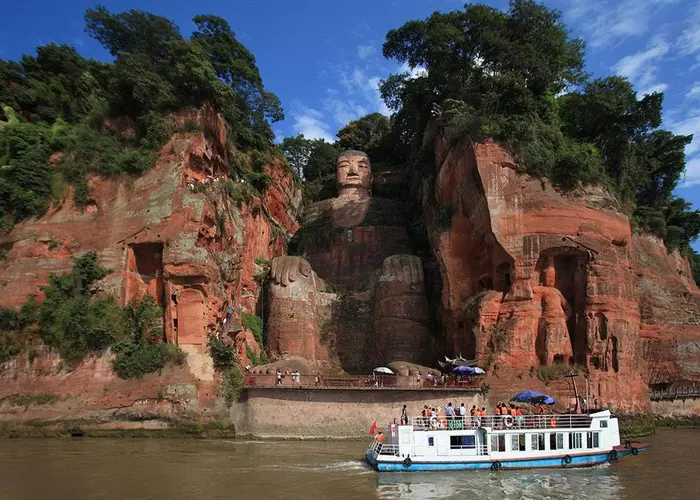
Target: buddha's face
353 171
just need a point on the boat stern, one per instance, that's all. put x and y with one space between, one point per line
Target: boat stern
371 457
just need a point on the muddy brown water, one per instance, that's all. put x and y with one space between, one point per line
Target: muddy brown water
169 469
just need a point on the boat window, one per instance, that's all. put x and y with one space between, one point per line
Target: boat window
517 442
592 439
431 441
537 442
461 442
575 440
603 423
556 441
498 442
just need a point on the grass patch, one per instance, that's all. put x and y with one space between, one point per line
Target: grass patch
223 354
231 384
254 323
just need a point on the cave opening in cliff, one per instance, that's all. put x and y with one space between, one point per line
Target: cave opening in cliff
565 269
145 271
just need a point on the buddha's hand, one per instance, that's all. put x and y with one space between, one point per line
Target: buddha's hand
286 270
405 268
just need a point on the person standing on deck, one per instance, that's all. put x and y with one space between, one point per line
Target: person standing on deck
380 441
404 416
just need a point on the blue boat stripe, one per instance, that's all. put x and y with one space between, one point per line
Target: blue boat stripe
576 461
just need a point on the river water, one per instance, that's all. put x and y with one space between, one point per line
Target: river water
170 469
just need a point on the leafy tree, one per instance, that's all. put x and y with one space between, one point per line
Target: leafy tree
694 258
312 159
367 134
56 100
133 31
490 73
500 63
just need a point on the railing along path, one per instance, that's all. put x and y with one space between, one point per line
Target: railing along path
355 382
676 393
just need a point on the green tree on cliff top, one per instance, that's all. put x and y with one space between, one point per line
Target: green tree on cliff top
493 73
59 100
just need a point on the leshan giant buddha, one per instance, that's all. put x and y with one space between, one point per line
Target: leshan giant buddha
353 294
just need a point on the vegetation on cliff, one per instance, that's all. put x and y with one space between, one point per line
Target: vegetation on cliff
59 102
75 324
517 76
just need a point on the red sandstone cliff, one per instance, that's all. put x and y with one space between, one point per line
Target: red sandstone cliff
532 277
194 250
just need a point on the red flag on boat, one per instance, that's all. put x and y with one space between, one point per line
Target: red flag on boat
373 428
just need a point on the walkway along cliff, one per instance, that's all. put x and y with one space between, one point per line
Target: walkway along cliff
527 279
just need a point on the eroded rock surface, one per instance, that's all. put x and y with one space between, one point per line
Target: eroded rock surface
175 234
532 277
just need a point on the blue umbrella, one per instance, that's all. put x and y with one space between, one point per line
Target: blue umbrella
468 370
533 397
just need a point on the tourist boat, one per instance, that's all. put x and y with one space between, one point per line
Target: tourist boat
501 442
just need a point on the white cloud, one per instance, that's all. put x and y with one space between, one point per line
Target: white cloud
366 51
365 88
310 122
692 172
689 125
693 92
688 43
605 22
659 87
686 121
637 66
642 67
344 111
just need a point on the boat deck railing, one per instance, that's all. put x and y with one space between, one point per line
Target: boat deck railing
553 421
385 449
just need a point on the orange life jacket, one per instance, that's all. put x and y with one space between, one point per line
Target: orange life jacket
380 437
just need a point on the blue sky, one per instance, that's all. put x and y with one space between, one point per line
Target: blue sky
323 57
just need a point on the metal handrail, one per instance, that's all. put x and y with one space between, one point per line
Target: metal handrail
676 393
443 422
372 381
384 449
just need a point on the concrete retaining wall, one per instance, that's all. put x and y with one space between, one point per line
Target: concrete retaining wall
333 414
676 408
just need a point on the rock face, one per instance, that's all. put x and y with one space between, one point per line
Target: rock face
175 234
532 277
669 304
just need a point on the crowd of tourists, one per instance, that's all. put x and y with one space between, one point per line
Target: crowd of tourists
503 416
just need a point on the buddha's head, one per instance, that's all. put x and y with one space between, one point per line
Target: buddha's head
353 173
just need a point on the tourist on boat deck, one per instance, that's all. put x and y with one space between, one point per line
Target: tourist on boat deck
404 416
449 411
380 441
